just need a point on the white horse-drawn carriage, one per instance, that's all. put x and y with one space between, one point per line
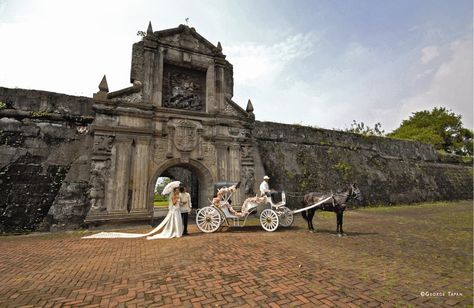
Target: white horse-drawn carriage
222 213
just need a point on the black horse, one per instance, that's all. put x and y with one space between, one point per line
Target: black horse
336 204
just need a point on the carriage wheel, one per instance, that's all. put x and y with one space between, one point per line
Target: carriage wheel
286 217
269 220
208 219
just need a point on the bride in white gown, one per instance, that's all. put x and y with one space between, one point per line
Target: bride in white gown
171 226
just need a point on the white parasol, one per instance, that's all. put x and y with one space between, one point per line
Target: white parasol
169 188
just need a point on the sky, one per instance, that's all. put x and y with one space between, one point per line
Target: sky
309 62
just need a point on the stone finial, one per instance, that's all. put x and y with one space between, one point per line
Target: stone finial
103 86
219 46
149 31
103 90
249 108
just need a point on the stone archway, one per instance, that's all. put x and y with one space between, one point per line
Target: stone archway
203 174
187 178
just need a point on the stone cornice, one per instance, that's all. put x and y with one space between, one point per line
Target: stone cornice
130 90
123 129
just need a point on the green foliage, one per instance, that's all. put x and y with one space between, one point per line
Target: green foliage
160 185
159 198
3 105
362 129
440 127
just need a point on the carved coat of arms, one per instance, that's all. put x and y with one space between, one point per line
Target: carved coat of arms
185 136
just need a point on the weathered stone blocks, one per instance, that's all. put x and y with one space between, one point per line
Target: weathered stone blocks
40 160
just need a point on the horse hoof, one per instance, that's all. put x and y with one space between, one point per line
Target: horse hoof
311 231
339 234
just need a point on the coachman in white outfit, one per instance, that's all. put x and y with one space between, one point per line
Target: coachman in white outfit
264 188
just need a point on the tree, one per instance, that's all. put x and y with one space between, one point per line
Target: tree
439 127
161 183
362 129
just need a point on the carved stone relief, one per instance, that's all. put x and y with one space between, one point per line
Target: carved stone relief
209 156
99 173
248 179
160 148
130 98
103 144
185 136
239 132
183 88
246 152
228 109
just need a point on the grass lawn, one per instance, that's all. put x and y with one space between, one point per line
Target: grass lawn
160 203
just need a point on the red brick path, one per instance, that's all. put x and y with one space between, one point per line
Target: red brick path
387 259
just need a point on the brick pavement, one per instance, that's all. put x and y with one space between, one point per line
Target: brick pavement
387 259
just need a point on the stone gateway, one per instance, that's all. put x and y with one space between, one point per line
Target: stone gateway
179 112
67 161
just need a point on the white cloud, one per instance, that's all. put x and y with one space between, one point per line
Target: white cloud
264 63
355 51
451 85
429 53
424 74
58 50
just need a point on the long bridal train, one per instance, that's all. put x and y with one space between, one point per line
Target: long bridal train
172 227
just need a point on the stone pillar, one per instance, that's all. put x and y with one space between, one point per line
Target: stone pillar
211 88
222 157
149 67
169 151
157 89
200 155
220 82
140 176
233 169
118 183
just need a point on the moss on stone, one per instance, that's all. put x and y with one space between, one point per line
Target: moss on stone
40 114
345 170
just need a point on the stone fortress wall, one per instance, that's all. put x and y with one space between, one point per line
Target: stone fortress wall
388 171
45 149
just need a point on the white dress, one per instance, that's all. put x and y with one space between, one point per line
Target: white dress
171 226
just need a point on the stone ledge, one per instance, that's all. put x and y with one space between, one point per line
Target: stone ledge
123 217
57 117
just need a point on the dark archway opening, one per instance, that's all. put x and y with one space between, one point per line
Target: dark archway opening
185 176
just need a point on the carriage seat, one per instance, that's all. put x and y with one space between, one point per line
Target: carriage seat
228 214
278 198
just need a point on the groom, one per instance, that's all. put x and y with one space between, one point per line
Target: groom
185 206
